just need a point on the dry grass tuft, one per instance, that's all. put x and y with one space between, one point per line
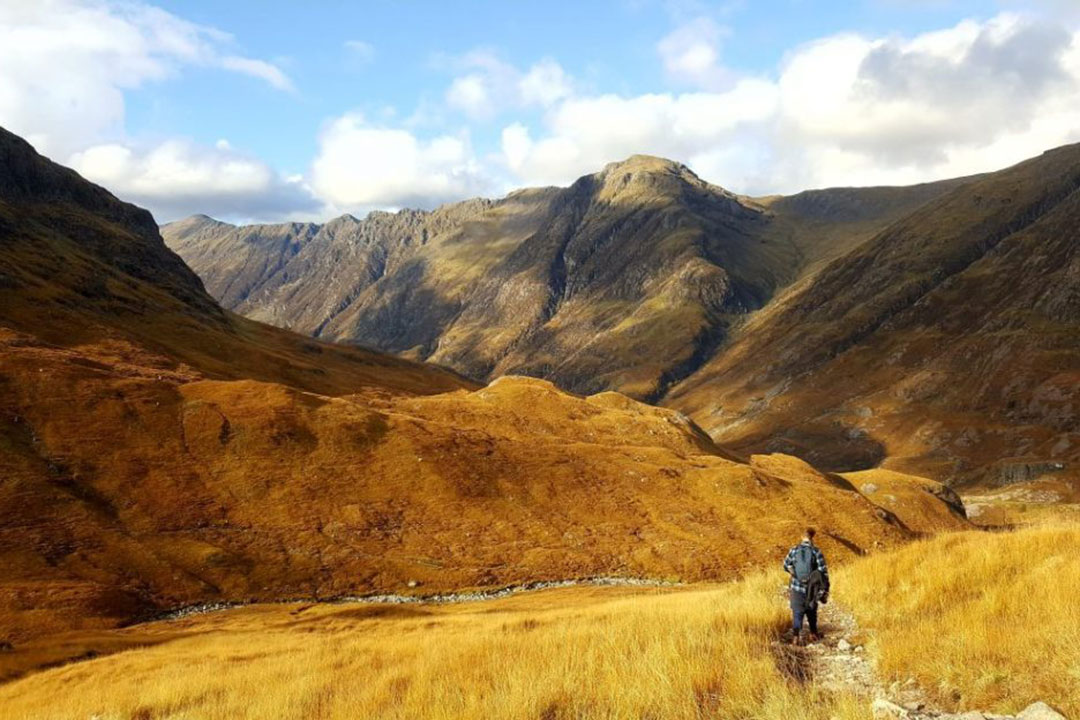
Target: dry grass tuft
981 620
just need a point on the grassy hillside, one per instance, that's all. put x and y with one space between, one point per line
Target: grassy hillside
980 620
944 346
138 489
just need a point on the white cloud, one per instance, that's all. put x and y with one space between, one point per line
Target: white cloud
843 110
489 85
176 178
584 133
516 146
472 94
691 54
360 166
260 69
65 66
544 84
971 98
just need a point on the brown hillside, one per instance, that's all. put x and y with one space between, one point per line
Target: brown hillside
158 451
135 491
948 344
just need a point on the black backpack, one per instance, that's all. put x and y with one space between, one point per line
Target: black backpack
805 563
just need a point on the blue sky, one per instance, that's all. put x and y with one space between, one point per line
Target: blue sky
610 45
278 110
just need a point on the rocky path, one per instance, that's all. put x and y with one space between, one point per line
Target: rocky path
840 664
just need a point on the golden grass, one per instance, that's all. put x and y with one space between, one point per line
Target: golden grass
981 620
573 653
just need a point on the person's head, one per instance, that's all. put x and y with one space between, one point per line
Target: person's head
810 533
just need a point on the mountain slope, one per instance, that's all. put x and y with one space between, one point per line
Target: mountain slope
629 279
78 266
157 451
846 325
949 343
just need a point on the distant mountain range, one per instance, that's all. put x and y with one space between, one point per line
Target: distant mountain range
629 279
932 328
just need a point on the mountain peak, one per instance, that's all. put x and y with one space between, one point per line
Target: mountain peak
646 176
199 220
646 167
645 163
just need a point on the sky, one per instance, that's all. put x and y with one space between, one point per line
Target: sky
266 110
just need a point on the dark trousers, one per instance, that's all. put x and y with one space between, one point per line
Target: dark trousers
800 608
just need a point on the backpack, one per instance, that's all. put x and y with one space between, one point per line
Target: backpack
804 562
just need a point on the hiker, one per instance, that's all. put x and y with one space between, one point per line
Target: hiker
809 585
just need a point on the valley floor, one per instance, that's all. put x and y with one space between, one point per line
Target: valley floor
973 619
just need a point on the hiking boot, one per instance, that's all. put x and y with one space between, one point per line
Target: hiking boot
815 637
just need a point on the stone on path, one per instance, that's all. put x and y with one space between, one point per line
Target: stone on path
843 645
885 710
1040 711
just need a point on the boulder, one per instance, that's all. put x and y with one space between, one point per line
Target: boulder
1040 711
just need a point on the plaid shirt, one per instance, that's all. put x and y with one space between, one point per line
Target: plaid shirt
819 563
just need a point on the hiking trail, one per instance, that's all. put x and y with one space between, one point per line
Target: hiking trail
840 663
